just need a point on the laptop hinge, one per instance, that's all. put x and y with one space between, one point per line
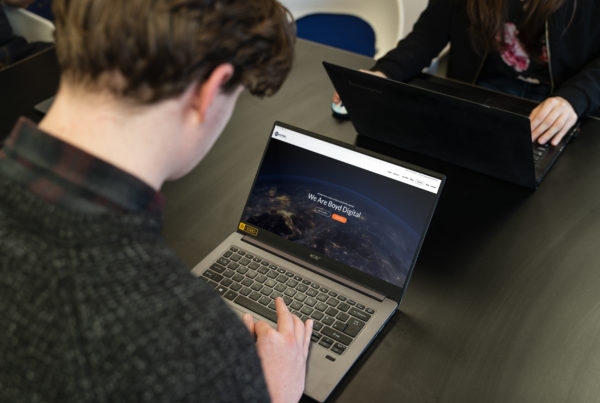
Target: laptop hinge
332 276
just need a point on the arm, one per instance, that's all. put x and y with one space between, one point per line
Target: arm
429 36
283 353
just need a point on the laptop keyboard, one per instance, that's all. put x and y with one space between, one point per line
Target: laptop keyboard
254 283
539 150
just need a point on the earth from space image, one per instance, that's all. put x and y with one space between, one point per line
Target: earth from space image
378 242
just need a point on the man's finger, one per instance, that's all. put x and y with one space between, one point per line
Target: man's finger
285 322
308 328
249 322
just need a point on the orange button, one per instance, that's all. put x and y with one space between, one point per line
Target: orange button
339 218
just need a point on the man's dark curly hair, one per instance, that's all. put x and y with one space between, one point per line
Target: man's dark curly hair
157 48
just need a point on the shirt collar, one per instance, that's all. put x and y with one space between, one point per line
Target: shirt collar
65 174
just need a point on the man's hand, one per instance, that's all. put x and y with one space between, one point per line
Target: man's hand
283 352
18 3
552 119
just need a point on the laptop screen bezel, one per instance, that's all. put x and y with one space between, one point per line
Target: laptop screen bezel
311 257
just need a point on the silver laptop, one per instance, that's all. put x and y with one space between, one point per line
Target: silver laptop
335 231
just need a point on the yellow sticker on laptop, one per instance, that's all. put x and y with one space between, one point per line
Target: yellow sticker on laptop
249 229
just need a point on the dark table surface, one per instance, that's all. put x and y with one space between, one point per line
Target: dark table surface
504 303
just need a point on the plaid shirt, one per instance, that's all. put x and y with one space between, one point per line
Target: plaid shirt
68 176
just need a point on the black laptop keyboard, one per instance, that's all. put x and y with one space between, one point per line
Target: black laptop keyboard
254 283
539 150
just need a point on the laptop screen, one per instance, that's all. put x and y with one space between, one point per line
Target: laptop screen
334 202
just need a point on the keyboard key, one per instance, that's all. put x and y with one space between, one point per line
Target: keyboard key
360 306
289 274
306 310
325 342
242 270
315 337
264 300
272 267
325 290
237 277
333 301
322 297
249 256
336 335
235 257
233 248
359 314
342 316
300 297
256 307
220 289
256 286
333 293
328 320
281 278
228 273
212 275
296 305
241 252
317 316
287 300
255 295
311 292
236 286
337 350
280 287
266 291
272 274
331 311
291 283
263 270
251 274
218 268
222 261
317 326
321 306
290 292
261 278
226 282
302 287
343 307
244 261
341 297
350 302
233 265
247 282
370 311
306 282
264 263
310 301
297 278
270 283
353 327
230 295
245 291
338 325
253 266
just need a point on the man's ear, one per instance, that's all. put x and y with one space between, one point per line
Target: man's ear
206 92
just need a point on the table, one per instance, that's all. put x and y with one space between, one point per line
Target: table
504 303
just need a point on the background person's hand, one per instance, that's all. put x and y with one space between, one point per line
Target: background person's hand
336 97
283 352
552 119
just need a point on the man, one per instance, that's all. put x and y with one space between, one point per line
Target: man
93 305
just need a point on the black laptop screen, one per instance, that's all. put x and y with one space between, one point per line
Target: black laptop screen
364 212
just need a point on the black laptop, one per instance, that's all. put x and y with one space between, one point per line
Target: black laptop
335 231
479 129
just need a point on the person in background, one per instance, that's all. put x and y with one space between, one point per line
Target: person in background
546 50
12 47
94 307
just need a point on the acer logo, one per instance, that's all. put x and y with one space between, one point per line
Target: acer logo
315 257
